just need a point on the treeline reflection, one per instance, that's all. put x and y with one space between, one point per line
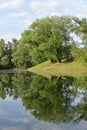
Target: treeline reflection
59 100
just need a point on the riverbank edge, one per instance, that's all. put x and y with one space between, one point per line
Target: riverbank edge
13 71
60 69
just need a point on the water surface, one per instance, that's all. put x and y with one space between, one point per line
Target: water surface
33 102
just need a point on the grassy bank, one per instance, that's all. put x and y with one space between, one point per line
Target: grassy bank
60 69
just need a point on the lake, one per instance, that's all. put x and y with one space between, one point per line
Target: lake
33 102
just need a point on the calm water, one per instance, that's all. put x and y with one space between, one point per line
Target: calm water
33 102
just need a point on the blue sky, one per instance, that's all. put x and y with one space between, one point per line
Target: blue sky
17 15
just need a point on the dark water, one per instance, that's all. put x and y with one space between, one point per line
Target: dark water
33 102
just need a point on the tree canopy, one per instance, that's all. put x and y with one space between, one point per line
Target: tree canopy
51 37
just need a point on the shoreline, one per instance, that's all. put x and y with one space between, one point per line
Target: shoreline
8 71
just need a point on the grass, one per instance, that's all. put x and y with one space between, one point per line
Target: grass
40 69
48 69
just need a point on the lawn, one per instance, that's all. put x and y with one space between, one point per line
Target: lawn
48 69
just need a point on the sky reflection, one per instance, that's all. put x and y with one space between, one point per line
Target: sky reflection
13 116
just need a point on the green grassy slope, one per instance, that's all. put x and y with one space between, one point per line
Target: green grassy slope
60 69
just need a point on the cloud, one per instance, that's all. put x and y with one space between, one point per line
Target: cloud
81 15
27 22
9 4
18 14
55 13
9 37
57 7
43 8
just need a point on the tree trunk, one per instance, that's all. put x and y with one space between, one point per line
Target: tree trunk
58 60
51 60
58 77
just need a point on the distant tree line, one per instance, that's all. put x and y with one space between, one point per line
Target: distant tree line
47 38
14 55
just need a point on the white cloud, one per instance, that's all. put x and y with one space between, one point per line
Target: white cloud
57 7
11 4
18 14
26 22
55 13
43 8
81 15
9 37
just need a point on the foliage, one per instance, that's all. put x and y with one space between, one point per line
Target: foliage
21 57
79 54
49 38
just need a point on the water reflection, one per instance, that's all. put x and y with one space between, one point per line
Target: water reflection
58 100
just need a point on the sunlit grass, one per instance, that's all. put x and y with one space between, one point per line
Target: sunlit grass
39 69
48 69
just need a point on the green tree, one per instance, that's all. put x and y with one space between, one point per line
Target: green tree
49 38
5 61
79 54
2 50
5 54
21 57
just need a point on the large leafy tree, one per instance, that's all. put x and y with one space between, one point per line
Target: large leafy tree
49 38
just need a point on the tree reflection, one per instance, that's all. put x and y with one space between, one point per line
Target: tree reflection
5 85
21 83
56 100
60 99
15 85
